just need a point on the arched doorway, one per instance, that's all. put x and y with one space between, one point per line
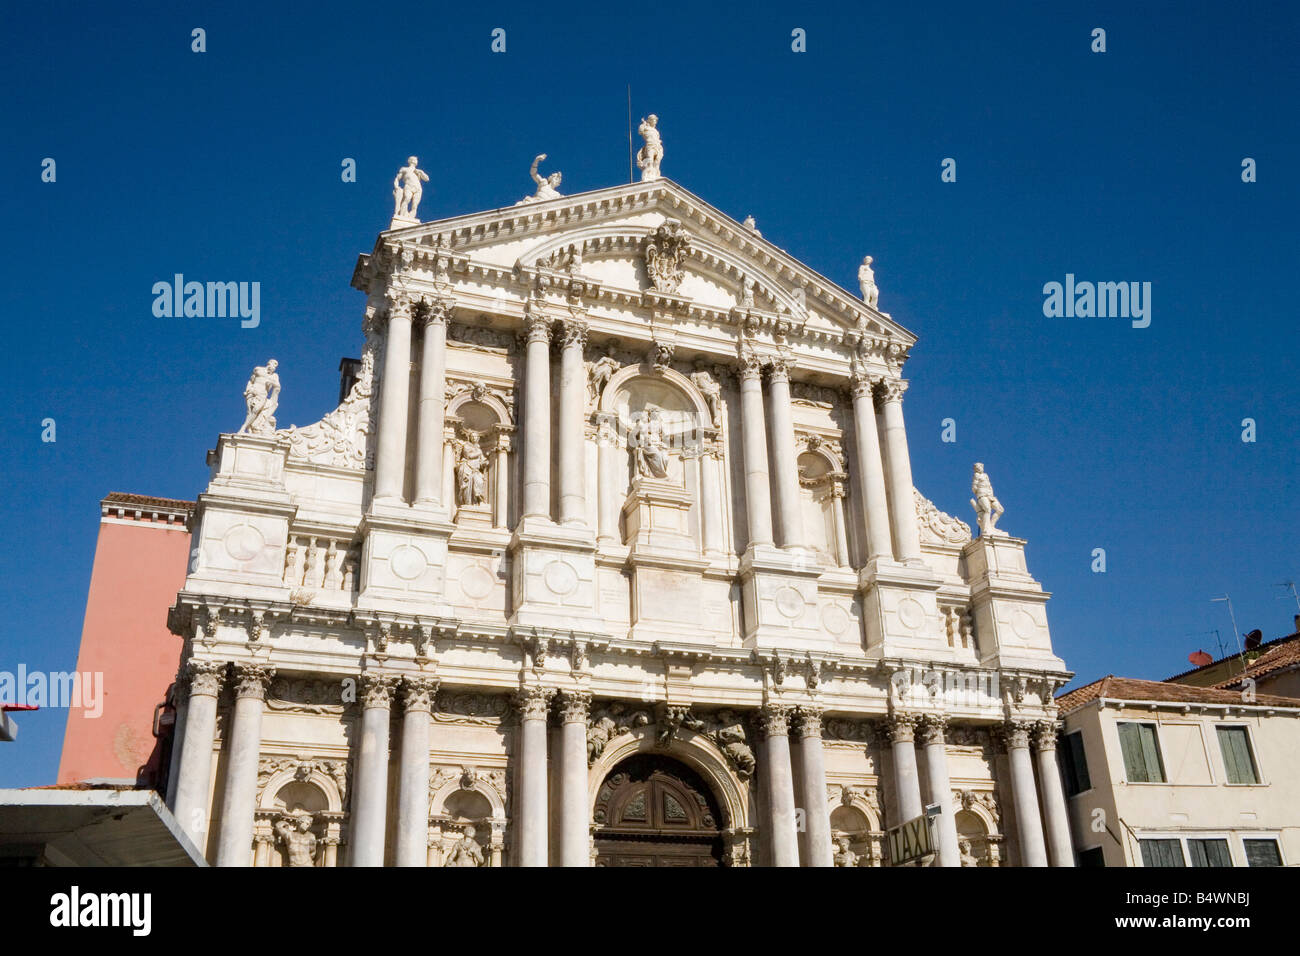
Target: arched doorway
655 811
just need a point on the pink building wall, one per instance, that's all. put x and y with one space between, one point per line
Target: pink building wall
140 563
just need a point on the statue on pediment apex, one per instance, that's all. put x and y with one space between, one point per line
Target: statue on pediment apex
987 507
407 189
867 282
262 396
652 153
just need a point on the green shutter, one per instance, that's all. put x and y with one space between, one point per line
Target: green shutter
1151 753
1262 853
1235 746
1078 762
1162 852
1209 852
1130 746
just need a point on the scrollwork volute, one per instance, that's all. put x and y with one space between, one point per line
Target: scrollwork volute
251 680
377 690
206 677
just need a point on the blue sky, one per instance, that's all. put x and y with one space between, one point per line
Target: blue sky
1122 166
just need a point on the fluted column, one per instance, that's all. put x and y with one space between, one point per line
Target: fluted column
711 507
537 416
195 782
784 458
608 463
817 814
1029 826
572 469
907 542
900 728
871 470
433 406
235 843
1057 816
932 729
531 821
413 784
758 502
774 722
394 399
575 828
370 794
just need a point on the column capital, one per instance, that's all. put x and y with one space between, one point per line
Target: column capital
1014 734
751 365
533 702
251 680
1045 733
889 390
377 690
418 693
205 677
537 326
808 721
773 720
573 333
932 728
778 369
900 727
437 311
573 706
399 305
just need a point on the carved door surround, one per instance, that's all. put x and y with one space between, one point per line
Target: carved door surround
655 811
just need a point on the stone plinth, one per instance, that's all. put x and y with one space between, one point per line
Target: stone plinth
901 609
1008 605
474 516
657 517
779 597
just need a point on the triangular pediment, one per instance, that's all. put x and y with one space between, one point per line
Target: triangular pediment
726 267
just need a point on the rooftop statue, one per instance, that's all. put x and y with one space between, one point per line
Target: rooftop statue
546 188
987 507
407 189
867 282
652 153
262 395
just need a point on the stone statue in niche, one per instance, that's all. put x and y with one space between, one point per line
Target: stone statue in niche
867 282
407 189
844 855
598 376
546 188
471 470
299 842
651 154
262 396
466 852
709 388
967 857
987 507
649 445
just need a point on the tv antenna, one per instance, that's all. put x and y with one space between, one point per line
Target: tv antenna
1233 618
630 175
1290 585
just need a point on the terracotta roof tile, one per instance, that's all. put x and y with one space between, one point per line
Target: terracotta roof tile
1280 654
147 501
1128 688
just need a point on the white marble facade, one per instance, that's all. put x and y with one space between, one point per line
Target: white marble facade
618 476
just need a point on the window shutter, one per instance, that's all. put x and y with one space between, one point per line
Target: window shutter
1235 746
1151 753
1262 853
1162 852
1079 761
1130 746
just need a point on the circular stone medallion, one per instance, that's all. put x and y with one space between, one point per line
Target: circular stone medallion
407 562
789 602
476 581
559 578
243 542
910 613
835 619
1022 622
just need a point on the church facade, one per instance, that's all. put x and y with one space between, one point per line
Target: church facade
610 555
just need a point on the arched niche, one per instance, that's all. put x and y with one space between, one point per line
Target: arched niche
822 485
975 826
466 799
477 417
294 789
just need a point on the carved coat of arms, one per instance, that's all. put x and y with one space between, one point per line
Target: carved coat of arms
665 251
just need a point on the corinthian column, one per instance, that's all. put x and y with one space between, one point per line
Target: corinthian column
936 764
1015 735
195 779
572 468
817 815
784 459
783 838
574 826
531 821
758 503
537 416
1053 793
394 398
907 542
235 844
370 796
900 728
870 470
413 785
433 406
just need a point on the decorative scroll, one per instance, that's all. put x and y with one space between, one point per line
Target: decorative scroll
937 527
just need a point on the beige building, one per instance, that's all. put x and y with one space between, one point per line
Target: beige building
1270 668
611 554
1160 774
